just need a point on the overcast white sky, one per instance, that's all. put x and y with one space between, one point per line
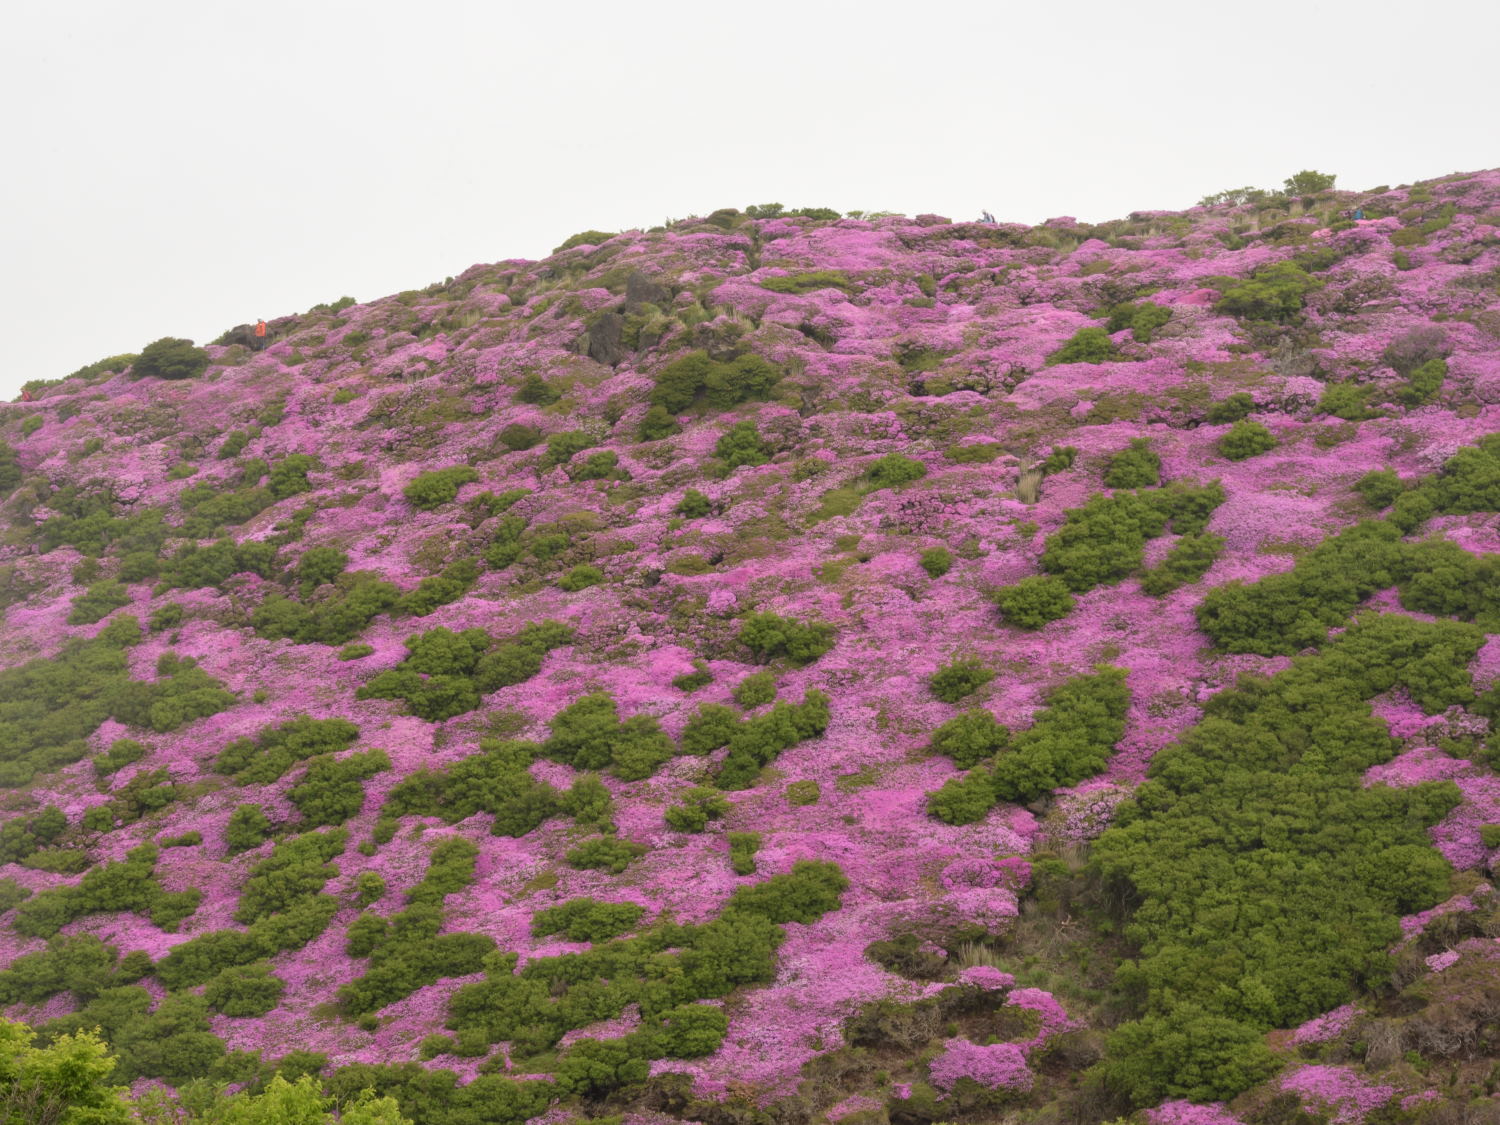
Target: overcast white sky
175 167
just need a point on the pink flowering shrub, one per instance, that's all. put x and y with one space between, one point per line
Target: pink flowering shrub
999 1066
1337 1090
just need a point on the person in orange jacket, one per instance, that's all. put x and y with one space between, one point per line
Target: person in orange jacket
260 335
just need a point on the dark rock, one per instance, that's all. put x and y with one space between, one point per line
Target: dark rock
641 290
604 339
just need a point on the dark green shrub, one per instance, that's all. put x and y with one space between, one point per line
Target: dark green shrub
440 486
936 561
581 577
520 657
755 742
319 565
244 990
1275 292
1189 1054
892 470
288 477
139 566
436 680
657 423
952 682
193 566
1187 561
121 753
1379 487
586 919
1104 541
711 728
129 885
1346 401
12 894
689 1032
605 853
1087 345
1441 578
20 837
604 465
695 808
1032 602
740 445
247 828
693 505
1059 460
537 391
589 735
494 781
742 849
1285 613
592 1068
270 754
970 738
369 887
10 470
1143 319
234 444
769 636
296 869
361 598
98 602
1245 439
166 617
563 447
680 383
965 799
355 652
518 436
700 677
407 952
1136 466
756 689
170 358
1302 740
506 547
742 380
147 792
1424 384
1070 740
332 790
583 238
50 707
807 892
1231 409
441 589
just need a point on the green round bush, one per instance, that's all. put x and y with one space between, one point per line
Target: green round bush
1032 602
170 358
1246 439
